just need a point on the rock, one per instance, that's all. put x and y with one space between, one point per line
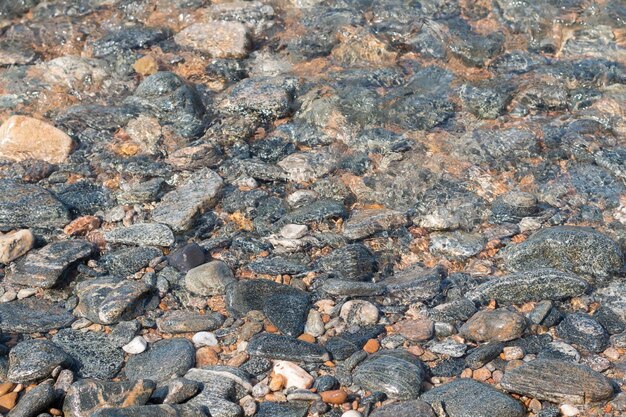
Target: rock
34 360
164 358
222 387
514 206
127 261
294 231
128 38
354 262
498 325
286 348
187 257
209 279
454 311
584 331
179 207
45 267
135 346
306 166
23 137
294 409
201 339
188 321
348 343
413 408
284 306
35 401
93 354
339 287
276 266
414 284
30 206
166 410
418 330
456 245
558 382
532 285
33 315
15 244
141 234
293 374
470 398
397 373
359 313
110 300
218 39
87 396
175 391
482 355
364 223
448 347
578 249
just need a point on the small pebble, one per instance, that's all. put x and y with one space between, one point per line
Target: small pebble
201 339
135 346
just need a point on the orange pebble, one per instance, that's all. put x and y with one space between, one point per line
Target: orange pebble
270 328
334 397
371 346
277 383
307 338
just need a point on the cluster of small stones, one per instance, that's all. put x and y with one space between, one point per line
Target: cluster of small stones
301 208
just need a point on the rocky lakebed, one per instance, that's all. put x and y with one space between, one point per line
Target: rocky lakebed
304 208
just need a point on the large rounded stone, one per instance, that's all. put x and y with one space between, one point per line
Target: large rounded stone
162 360
499 325
209 279
397 373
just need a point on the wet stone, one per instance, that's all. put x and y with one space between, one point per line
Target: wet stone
514 206
188 321
93 354
87 396
45 267
582 330
175 391
35 401
34 360
482 355
218 39
339 287
33 315
141 234
127 261
317 211
162 360
558 381
31 206
348 343
354 262
209 279
363 223
414 408
128 38
287 348
470 398
499 325
532 285
295 409
458 245
454 311
276 266
167 410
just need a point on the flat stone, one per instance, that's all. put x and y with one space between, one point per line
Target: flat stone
137 345
94 355
359 313
179 207
416 330
397 373
209 279
188 321
162 360
175 391
109 300
559 382
346 344
354 262
35 401
470 398
366 222
218 39
34 360
87 396
222 387
413 408
30 206
33 315
141 234
287 348
498 325
581 250
456 245
45 267
15 244
166 410
582 330
532 285
127 261
294 409
23 137
293 374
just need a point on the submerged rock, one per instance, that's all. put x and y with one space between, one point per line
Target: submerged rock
30 206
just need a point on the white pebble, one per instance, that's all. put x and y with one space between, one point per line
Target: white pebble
569 410
26 292
135 346
293 231
201 339
352 413
8 296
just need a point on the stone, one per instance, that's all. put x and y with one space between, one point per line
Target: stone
293 374
359 313
135 346
448 347
35 401
336 397
201 339
532 285
454 311
218 39
294 409
413 408
15 244
124 332
162 360
165 410
514 206
94 356
23 137
366 222
416 330
179 208
187 257
30 206
129 37
341 288
559 382
87 396
209 279
314 324
294 231
8 401
353 262
348 343
34 360
287 348
582 330
498 325
567 248
127 261
141 234
470 398
188 321
109 300
222 387
397 373
414 284
33 315
175 391
456 245
45 267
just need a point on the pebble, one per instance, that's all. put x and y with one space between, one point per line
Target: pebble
293 375
164 359
397 373
188 321
25 137
359 313
294 231
201 339
582 330
209 279
334 397
35 401
569 410
87 396
218 39
135 346
15 244
416 330
499 325
141 234
352 413
30 206
34 360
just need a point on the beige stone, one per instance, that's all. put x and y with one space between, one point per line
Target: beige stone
15 244
293 374
219 39
23 137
